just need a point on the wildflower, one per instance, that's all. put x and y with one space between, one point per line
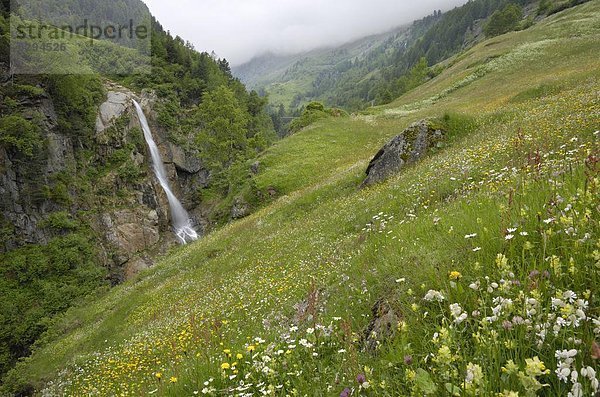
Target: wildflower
346 392
510 367
250 348
476 249
469 236
565 354
457 313
408 359
158 375
474 375
402 326
239 356
173 379
454 275
535 367
361 378
225 366
509 237
444 355
433 295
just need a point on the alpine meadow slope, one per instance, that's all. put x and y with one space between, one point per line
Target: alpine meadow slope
472 272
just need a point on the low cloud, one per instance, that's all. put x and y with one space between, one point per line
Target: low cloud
241 29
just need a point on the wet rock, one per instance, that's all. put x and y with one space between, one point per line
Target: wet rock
187 162
408 147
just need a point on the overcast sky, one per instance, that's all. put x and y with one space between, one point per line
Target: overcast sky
241 29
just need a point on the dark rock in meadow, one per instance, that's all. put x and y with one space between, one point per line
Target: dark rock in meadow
382 326
240 209
409 147
255 167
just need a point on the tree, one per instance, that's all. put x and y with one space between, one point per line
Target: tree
504 20
223 124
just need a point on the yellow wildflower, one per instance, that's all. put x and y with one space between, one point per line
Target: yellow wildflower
173 379
454 275
225 366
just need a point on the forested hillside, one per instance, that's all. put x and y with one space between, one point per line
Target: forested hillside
397 64
59 175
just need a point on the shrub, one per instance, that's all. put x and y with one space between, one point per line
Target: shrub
19 134
60 221
504 21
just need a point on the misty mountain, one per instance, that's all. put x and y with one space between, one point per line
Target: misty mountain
369 70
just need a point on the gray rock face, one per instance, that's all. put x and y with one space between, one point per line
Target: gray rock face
408 147
240 209
116 104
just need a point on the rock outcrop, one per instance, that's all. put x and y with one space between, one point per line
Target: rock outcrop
408 147
125 207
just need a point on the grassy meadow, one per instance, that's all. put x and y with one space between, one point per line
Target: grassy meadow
483 260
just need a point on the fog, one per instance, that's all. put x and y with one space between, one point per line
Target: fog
241 29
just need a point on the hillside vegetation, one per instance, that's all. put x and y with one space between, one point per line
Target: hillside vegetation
380 68
51 247
473 272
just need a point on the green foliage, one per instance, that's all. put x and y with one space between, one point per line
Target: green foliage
222 137
416 76
129 173
313 112
504 20
40 281
76 98
60 221
19 134
458 125
543 7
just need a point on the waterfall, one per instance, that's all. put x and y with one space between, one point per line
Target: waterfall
181 220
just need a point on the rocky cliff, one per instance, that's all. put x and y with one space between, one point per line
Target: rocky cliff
106 185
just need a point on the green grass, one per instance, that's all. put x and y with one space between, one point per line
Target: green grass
340 249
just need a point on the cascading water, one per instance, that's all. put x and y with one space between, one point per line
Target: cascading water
180 218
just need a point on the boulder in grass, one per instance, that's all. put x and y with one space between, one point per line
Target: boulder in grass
409 147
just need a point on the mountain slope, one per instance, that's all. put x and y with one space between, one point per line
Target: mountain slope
281 302
371 70
289 80
80 208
